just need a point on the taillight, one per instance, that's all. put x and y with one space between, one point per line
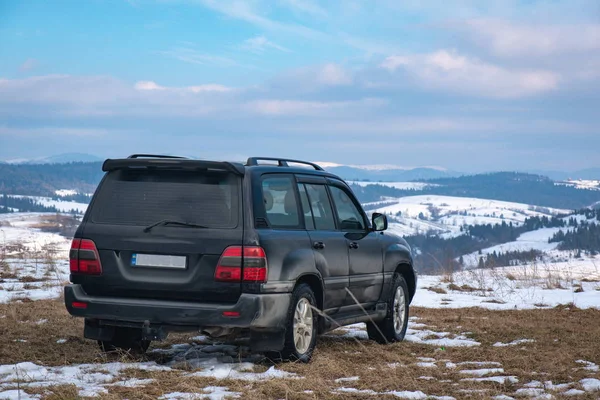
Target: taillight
247 264
84 257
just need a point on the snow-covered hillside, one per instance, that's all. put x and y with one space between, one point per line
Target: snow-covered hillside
61 205
446 214
581 184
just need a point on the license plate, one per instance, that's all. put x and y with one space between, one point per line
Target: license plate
158 261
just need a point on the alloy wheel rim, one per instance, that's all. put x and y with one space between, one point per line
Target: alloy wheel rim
303 326
399 310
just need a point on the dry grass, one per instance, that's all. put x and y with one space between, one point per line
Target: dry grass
463 288
562 335
438 290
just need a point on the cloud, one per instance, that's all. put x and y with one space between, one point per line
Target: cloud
277 107
259 44
447 70
28 65
333 75
306 6
211 87
148 85
510 39
45 132
245 12
193 56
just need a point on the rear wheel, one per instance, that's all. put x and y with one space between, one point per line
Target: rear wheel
301 326
125 339
393 327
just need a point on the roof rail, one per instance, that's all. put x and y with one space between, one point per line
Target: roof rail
282 162
154 156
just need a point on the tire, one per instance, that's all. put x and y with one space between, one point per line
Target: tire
393 327
301 327
125 340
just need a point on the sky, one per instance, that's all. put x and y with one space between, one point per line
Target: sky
468 85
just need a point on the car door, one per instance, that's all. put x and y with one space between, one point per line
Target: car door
329 244
364 246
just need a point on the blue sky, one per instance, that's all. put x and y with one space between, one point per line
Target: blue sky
470 85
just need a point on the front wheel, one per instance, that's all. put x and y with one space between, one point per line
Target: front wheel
301 326
393 327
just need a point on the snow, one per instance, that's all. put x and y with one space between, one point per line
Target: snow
581 184
589 366
17 395
530 392
348 379
496 379
415 333
65 192
237 371
513 343
527 286
482 372
401 395
61 206
209 392
448 221
90 379
574 392
18 228
590 384
533 240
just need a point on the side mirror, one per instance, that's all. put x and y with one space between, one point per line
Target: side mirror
380 222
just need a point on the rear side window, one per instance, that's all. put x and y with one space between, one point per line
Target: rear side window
279 199
321 207
143 197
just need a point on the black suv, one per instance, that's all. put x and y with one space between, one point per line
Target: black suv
275 250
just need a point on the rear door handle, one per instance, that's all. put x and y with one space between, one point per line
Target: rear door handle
353 245
319 245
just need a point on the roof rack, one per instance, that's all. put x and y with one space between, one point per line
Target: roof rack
282 162
154 156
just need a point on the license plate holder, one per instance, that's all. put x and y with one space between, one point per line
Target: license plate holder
158 261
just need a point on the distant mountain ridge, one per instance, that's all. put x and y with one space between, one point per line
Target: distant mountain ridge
393 175
57 159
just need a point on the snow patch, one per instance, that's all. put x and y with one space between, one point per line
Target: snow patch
590 384
209 392
513 343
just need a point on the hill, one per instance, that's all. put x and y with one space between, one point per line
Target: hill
504 186
46 179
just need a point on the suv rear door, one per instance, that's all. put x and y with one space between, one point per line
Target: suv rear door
129 200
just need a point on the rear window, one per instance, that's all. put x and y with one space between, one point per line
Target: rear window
143 197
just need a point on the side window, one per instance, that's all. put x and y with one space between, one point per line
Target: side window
321 207
279 198
308 216
349 215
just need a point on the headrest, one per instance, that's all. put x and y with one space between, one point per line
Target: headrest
268 199
289 203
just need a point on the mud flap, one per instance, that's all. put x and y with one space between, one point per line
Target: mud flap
266 341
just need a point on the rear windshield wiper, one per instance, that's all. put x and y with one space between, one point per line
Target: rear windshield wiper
172 222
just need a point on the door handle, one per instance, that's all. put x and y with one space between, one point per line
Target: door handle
353 245
319 245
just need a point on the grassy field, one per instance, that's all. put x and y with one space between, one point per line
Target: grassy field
345 365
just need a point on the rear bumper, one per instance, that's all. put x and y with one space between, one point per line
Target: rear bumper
266 312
